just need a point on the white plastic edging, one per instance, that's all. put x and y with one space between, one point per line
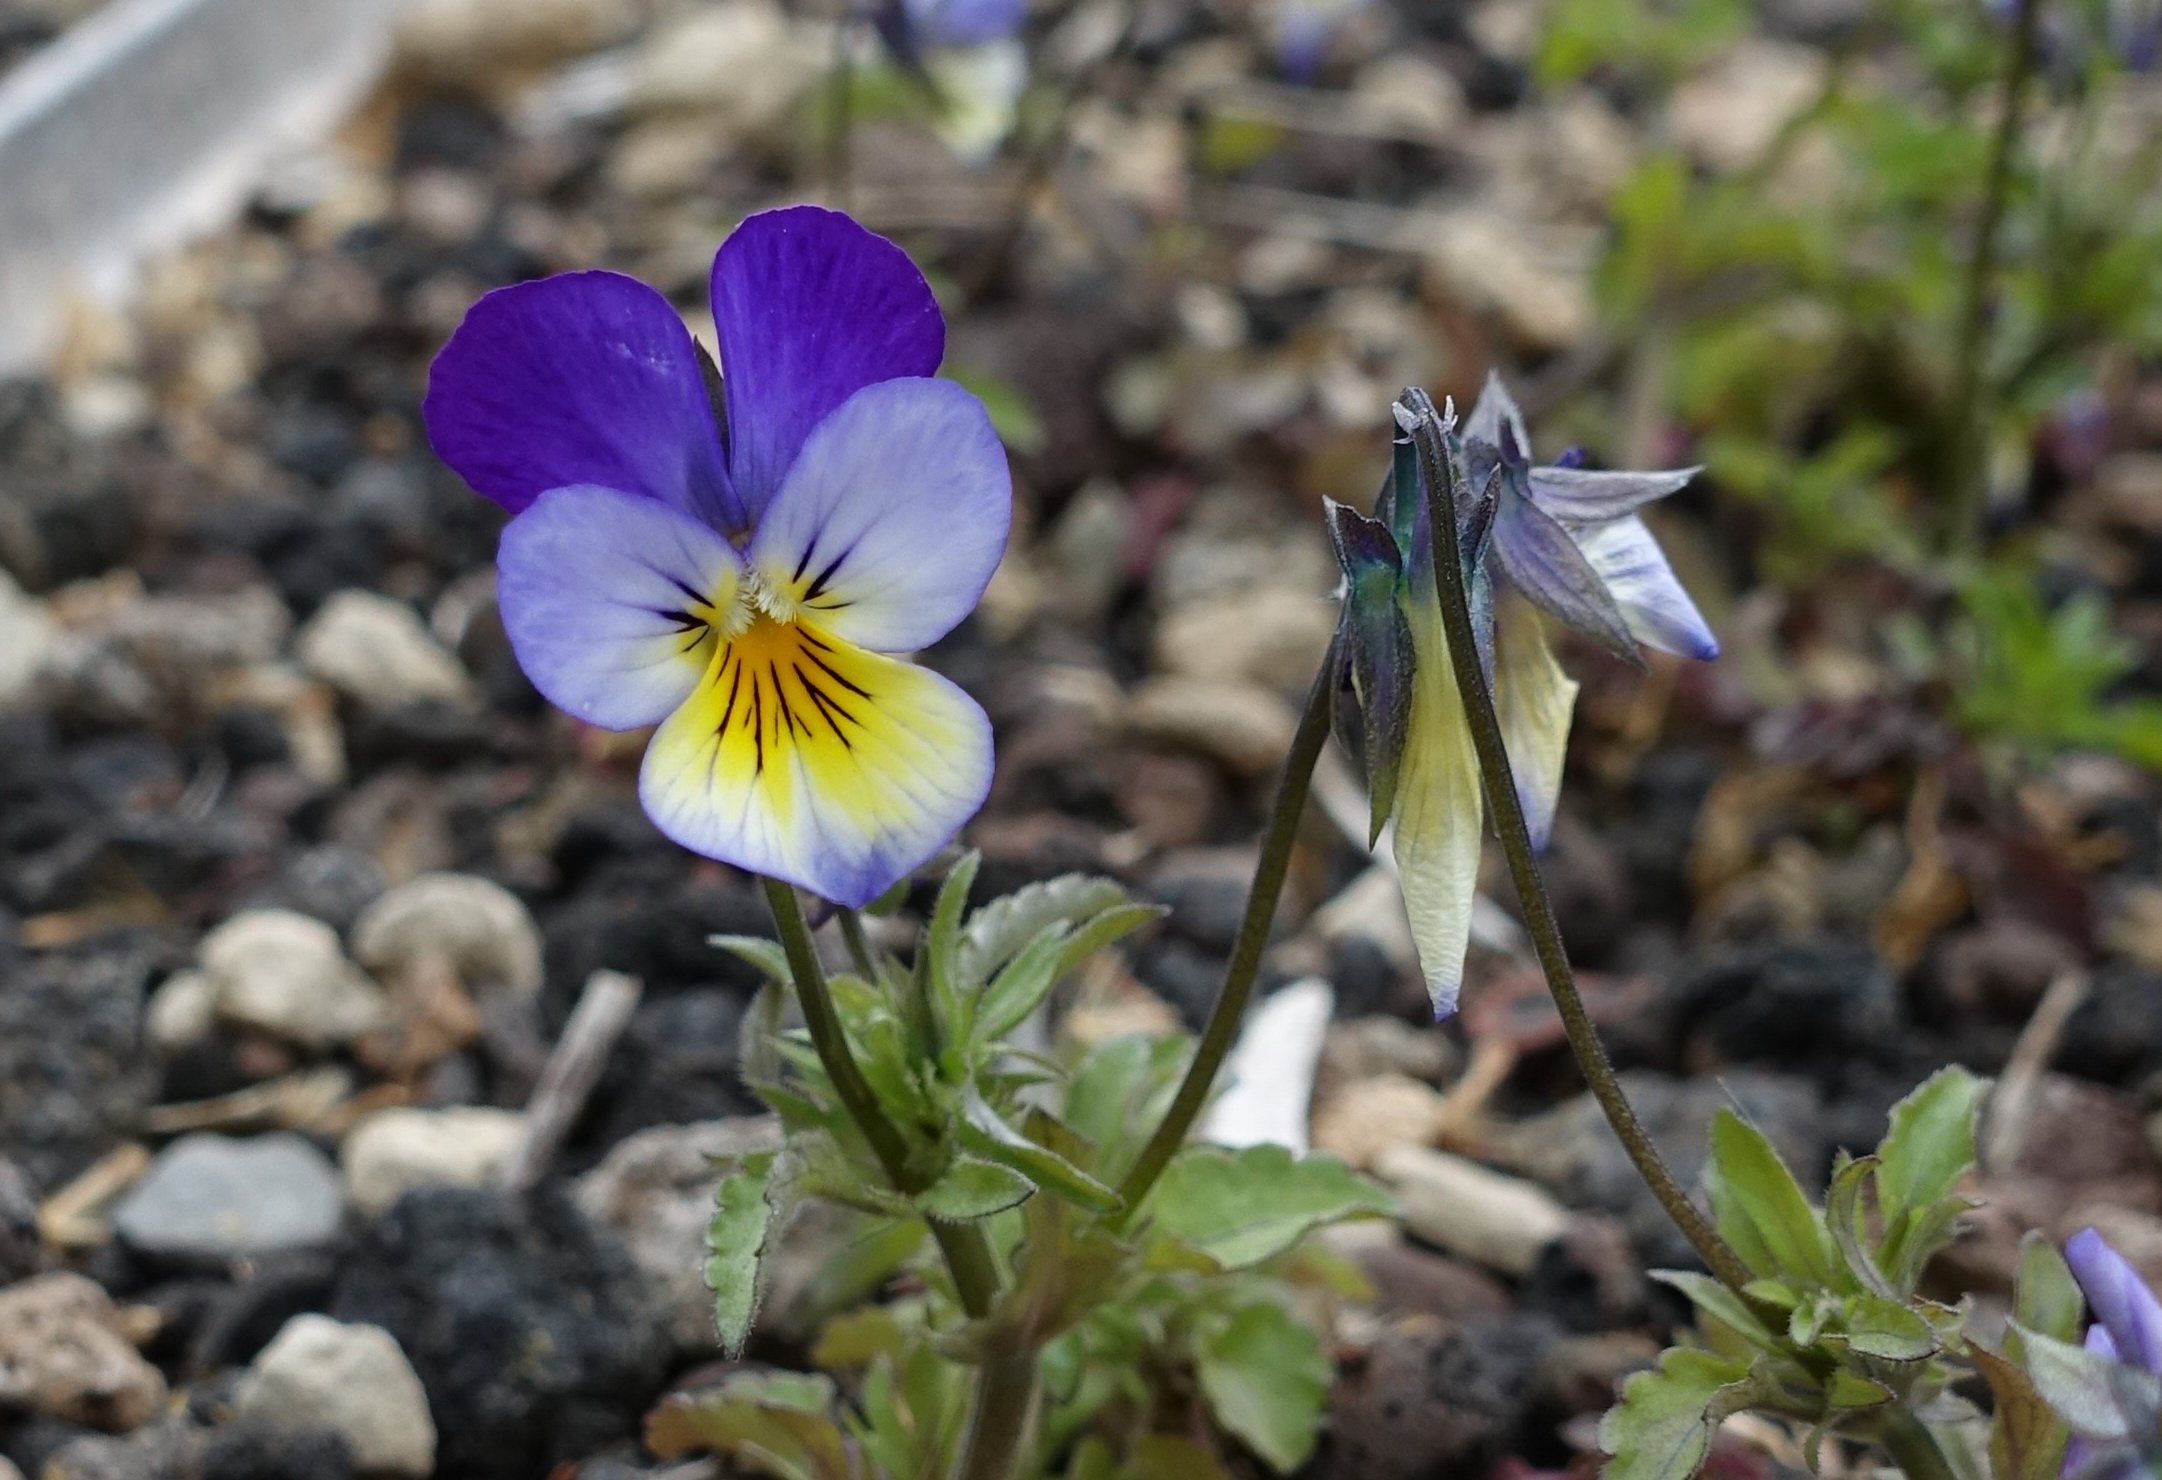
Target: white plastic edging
148 124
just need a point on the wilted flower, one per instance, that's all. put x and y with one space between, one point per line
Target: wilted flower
1552 539
2109 1391
739 583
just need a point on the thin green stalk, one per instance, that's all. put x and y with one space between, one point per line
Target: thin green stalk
1441 496
1968 450
968 1256
1245 964
998 1428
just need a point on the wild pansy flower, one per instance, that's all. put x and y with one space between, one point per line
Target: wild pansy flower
737 566
1553 540
2108 1391
968 55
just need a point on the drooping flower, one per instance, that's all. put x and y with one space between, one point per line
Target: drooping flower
1534 540
2109 1390
737 567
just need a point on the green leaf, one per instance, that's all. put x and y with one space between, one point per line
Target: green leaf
1885 1329
2026 1437
985 1133
1241 1207
1715 1300
1119 1091
1757 1188
1662 1428
1930 1144
1851 1390
1019 988
773 1423
735 1240
761 953
1266 1377
2045 1297
942 941
972 1189
998 931
1847 1220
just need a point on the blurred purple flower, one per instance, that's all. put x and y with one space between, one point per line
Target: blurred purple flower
2108 1390
739 580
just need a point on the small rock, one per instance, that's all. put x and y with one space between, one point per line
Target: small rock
170 1447
1368 1116
67 1352
481 928
1541 298
2001 968
2078 1133
377 652
1243 726
1432 1398
208 1200
1793 1003
1589 1278
284 974
654 1190
353 1380
8 1470
1409 1280
1582 1374
1362 1047
530 1330
22 1253
2128 489
182 1010
1730 112
1463 1208
26 636
75 1074
394 1151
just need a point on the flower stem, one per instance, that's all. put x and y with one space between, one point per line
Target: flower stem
1005 1408
859 945
1439 472
1239 974
1912 1446
1968 452
968 1256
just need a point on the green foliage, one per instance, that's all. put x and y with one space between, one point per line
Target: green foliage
1170 1337
1832 1331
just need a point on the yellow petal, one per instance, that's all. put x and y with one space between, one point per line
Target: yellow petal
1534 699
1438 815
809 759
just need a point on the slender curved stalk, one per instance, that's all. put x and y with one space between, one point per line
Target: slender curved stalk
1439 477
1222 1028
1005 1411
1968 455
968 1256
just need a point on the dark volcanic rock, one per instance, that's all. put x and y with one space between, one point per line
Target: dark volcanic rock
677 1063
75 1071
528 1327
1789 1004
1433 1398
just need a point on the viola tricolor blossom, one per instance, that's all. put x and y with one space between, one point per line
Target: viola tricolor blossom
2108 1390
966 52
739 567
1538 542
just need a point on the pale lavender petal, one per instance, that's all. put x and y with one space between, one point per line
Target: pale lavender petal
1659 611
810 308
2122 1302
1543 561
1580 496
893 517
965 22
606 600
1496 420
582 378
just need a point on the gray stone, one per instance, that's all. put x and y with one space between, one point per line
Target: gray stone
394 1151
376 651
350 1379
67 1352
284 974
210 1199
480 928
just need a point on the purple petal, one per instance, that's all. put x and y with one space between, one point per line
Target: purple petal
582 378
1543 561
1496 420
893 517
1579 496
2122 1302
1659 611
810 309
965 22
606 600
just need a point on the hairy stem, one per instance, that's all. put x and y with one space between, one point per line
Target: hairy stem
998 1428
1222 1028
1913 1447
968 1256
859 945
1439 476
1968 439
